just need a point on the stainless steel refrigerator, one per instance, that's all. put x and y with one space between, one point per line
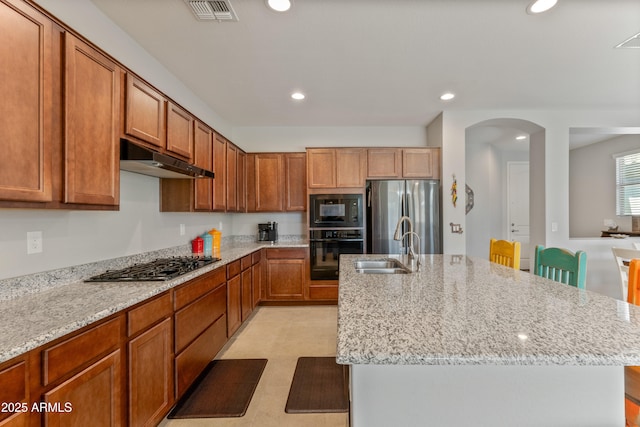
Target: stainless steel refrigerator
388 201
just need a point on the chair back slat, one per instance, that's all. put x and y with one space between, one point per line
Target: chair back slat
561 265
634 282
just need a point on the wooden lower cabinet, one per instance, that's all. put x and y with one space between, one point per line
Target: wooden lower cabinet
92 397
14 393
257 273
234 304
287 270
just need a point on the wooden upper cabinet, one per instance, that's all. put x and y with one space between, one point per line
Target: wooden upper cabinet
295 182
26 92
203 157
321 167
351 164
268 186
421 163
241 179
179 131
232 177
91 125
384 163
336 167
220 171
145 117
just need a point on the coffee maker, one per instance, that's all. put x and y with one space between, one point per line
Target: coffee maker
268 232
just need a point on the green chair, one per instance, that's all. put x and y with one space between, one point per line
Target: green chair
561 265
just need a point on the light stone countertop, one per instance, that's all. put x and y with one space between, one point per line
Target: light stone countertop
38 308
460 310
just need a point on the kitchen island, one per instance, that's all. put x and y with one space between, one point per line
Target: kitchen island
466 341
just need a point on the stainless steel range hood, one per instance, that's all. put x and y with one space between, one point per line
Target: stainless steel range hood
138 159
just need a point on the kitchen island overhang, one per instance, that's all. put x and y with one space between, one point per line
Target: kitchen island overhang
467 340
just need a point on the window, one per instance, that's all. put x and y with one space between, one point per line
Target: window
628 183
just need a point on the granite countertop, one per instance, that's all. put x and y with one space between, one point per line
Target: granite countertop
460 310
38 308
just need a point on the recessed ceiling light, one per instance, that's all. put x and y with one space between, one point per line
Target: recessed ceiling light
297 95
279 5
539 6
447 96
521 137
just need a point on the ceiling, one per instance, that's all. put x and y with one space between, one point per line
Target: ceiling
385 63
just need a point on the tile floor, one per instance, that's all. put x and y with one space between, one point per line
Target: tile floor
281 335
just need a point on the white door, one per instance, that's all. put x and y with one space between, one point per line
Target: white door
518 207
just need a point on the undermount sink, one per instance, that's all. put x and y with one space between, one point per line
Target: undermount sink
386 266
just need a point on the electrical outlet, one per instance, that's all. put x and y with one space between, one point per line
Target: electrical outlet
34 242
554 227
220 226
182 229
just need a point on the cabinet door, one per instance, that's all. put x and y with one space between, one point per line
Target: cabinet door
268 182
26 94
92 117
285 278
220 171
247 289
146 113
203 157
321 167
256 279
421 163
232 177
234 305
384 163
179 131
241 180
295 182
351 167
151 375
94 396
14 390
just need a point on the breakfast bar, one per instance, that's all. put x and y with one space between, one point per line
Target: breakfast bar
466 341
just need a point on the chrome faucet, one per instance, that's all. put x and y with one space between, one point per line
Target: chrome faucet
396 236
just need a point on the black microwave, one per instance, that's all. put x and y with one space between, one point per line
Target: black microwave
335 210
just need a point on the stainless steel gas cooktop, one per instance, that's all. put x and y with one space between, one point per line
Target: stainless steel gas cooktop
158 270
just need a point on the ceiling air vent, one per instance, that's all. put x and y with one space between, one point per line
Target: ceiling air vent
212 10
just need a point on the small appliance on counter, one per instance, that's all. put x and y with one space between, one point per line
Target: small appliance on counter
268 232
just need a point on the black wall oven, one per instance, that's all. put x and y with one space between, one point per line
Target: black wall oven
336 226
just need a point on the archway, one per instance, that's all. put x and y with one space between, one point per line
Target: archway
497 152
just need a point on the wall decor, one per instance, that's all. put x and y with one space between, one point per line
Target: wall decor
469 193
454 191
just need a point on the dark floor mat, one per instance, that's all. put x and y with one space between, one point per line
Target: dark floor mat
319 385
224 389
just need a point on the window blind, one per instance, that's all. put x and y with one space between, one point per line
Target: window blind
628 184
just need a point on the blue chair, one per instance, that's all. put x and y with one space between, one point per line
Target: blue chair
561 265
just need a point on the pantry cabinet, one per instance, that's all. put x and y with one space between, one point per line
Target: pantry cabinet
27 87
91 125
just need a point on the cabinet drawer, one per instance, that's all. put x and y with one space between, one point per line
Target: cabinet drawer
323 292
256 257
233 269
14 386
287 253
69 355
191 362
195 288
245 262
196 317
149 313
